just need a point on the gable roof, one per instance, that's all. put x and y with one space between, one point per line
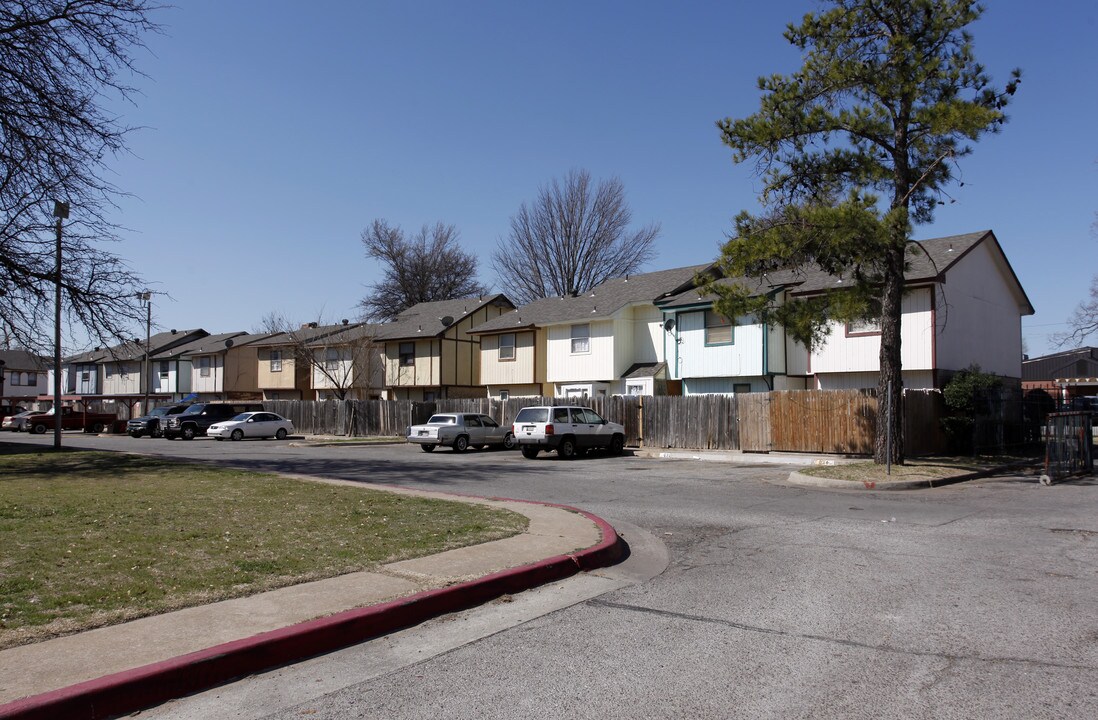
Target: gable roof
305 334
602 301
425 319
210 345
928 261
24 360
1081 362
347 334
135 349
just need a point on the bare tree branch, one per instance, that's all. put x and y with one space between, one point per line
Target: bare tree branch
427 267
59 60
573 237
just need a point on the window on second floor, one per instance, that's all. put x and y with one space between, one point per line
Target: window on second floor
276 361
718 329
31 378
581 339
108 370
85 376
204 366
507 346
408 353
331 359
13 378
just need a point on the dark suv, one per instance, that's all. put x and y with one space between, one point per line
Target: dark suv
198 417
151 424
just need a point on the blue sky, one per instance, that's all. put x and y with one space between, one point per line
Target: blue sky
273 132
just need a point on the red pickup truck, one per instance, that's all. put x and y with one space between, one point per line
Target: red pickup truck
71 419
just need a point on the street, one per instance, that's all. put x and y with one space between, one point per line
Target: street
745 597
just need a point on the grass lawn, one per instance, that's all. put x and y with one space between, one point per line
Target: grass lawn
91 539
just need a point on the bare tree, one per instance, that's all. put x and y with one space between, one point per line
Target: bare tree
1083 322
59 61
427 267
573 237
341 359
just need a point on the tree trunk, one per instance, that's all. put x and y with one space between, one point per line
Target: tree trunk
890 384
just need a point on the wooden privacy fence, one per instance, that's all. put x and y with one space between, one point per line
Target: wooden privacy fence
820 421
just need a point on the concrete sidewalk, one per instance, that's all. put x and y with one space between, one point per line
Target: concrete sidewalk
122 668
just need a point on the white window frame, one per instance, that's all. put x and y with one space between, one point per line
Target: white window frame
331 358
507 350
717 324
276 361
581 339
204 366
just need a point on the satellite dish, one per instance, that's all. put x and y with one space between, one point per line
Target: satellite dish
669 324
447 321
229 343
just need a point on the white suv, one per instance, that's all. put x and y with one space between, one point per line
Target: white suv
567 429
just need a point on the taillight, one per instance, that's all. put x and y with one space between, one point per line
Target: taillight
549 428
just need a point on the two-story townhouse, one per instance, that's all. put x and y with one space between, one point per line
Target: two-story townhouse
430 352
609 340
283 363
224 366
962 306
123 366
23 377
348 364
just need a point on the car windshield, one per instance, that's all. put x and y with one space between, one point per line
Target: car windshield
193 410
158 412
442 420
532 415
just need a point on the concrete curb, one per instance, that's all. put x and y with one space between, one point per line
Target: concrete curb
802 479
132 690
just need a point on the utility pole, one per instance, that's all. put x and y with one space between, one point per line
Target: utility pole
61 212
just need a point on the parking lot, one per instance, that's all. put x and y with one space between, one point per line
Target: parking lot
971 601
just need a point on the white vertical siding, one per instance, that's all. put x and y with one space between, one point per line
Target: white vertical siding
647 335
978 317
598 364
913 380
840 353
692 358
211 383
624 332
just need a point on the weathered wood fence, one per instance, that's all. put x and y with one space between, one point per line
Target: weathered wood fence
820 421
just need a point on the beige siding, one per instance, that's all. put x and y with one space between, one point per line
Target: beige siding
282 380
241 370
521 370
597 364
126 378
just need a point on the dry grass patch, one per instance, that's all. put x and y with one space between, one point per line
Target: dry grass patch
912 469
91 539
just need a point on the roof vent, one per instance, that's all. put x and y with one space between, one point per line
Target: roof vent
173 331
447 320
345 321
229 343
313 325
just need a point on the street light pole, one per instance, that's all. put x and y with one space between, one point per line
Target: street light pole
146 296
60 211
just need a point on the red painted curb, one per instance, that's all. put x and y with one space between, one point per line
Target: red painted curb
132 690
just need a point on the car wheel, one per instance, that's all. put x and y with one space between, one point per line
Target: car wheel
529 451
187 433
426 448
617 445
567 449
39 429
509 441
461 444
280 434
98 428
155 431
237 434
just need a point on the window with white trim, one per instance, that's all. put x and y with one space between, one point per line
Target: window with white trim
581 339
204 366
276 361
408 353
331 359
507 346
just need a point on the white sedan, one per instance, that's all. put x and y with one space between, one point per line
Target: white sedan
252 424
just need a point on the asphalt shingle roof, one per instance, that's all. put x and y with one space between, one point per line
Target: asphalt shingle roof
210 344
928 260
425 319
602 301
